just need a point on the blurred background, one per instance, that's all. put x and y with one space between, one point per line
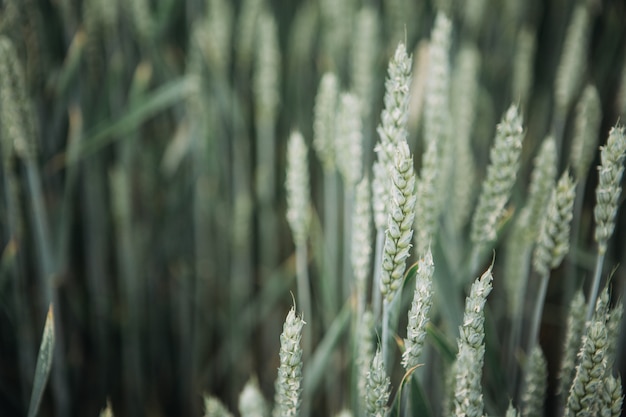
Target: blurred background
149 205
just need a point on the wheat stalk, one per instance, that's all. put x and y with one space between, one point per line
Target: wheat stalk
552 243
324 143
299 217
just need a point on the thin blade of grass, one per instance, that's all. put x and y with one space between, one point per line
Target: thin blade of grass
418 401
445 347
44 364
160 99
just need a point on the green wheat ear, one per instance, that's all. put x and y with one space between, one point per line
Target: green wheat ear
573 60
349 142
377 388
612 397
465 86
213 407
251 400
586 128
297 187
419 313
17 121
594 391
613 326
399 230
553 240
608 193
535 384
391 131
573 335
585 394
437 109
501 174
612 319
108 411
361 249
609 187
437 127
266 82
365 355
324 113
468 399
289 381
511 411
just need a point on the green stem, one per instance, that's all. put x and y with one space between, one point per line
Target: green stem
331 237
96 235
516 328
47 269
378 258
595 286
25 341
385 335
347 242
130 283
241 270
391 310
304 294
572 269
266 189
558 123
540 300
42 231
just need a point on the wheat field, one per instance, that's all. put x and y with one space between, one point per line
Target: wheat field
312 208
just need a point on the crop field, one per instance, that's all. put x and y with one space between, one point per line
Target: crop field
281 208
